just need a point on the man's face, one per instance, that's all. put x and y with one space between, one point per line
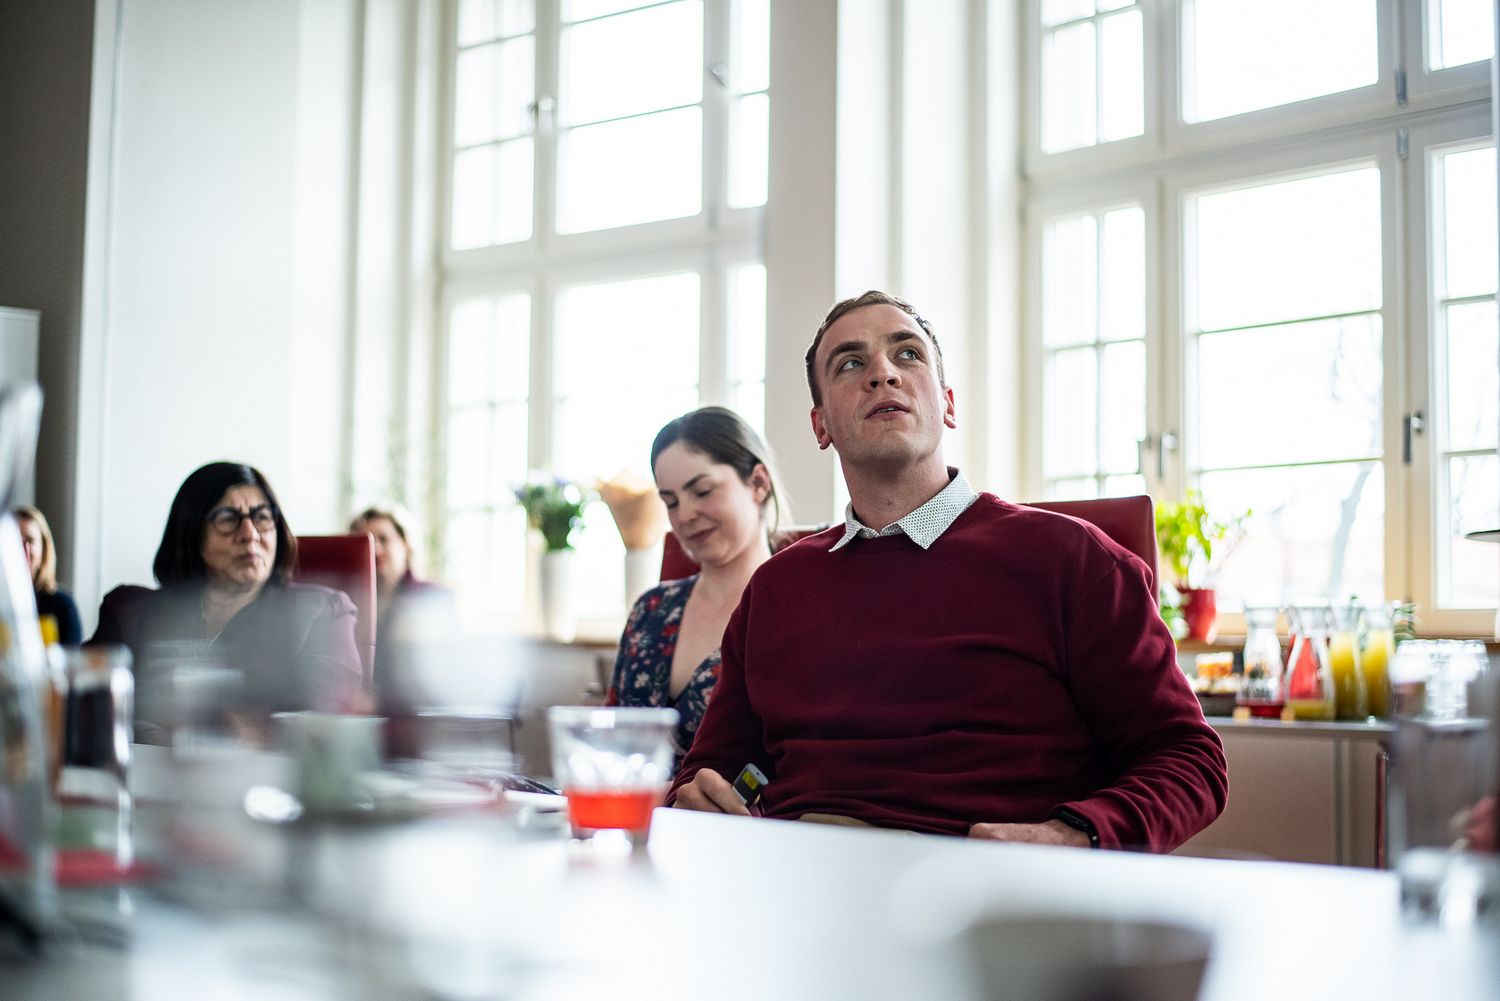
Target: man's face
882 402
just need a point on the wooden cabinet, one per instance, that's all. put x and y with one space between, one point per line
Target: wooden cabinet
1301 792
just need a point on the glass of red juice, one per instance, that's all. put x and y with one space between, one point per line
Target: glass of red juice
613 765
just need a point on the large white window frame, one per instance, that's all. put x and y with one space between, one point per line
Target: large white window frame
1391 124
711 244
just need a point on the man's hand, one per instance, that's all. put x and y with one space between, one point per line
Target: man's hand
1053 832
710 792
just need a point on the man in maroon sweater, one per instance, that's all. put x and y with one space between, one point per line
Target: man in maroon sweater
973 667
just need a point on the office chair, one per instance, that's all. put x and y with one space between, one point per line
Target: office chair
1129 521
346 563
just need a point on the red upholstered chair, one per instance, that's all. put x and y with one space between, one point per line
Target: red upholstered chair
1130 521
345 563
676 563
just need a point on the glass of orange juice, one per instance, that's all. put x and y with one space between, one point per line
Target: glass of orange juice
613 765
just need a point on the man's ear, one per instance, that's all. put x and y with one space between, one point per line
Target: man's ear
950 414
820 432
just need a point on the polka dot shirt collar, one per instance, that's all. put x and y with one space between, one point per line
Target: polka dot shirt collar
924 525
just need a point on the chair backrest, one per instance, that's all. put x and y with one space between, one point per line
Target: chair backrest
345 563
676 563
1129 521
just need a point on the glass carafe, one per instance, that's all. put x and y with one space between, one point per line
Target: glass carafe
1262 691
1309 679
26 879
1377 646
1350 700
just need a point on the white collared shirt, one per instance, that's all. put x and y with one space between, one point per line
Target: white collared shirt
925 524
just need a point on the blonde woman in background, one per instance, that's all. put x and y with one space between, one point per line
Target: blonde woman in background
41 560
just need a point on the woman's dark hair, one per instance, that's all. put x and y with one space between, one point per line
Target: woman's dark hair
723 436
179 558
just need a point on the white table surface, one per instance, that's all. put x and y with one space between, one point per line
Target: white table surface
718 907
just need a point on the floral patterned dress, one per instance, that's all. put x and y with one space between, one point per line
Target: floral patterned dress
643 668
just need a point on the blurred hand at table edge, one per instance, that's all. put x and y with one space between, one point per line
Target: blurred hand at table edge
1482 826
710 792
1053 832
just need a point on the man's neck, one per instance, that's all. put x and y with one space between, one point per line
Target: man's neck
882 498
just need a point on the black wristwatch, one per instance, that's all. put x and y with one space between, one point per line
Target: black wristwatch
1078 822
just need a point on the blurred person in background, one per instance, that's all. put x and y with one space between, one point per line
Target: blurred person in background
224 563
41 559
714 475
396 582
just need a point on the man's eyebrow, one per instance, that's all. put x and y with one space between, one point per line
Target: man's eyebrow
846 348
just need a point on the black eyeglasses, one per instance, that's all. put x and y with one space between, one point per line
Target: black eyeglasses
226 520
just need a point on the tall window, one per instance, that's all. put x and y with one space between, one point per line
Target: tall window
602 269
1266 240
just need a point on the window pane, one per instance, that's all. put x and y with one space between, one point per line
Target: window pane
1070 393
1068 88
1473 390
1070 262
1297 393
1124 486
1325 232
613 341
1074 489
606 74
468 442
750 130
493 92
470 331
752 45
482 20
1317 532
1459 32
473 197
1122 92
1122 406
485 563
579 10
488 362
1122 291
747 323
638 170
1473 489
1468 218
492 188
1244 55
1058 11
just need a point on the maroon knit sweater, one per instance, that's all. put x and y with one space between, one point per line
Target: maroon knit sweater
1016 666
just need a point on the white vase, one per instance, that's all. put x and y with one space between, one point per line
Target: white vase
558 618
642 571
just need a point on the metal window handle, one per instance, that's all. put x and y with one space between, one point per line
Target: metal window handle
1162 443
1412 424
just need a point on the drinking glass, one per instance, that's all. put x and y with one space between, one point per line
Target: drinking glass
613 765
97 746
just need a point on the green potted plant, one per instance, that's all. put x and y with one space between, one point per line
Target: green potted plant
1188 537
554 507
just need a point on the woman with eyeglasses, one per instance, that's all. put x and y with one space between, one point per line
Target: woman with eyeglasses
224 565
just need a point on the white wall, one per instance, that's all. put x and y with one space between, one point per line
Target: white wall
216 265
